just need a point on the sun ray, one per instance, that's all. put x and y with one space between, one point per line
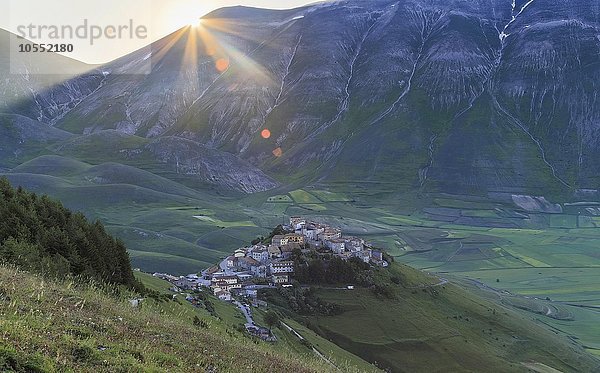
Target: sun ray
224 54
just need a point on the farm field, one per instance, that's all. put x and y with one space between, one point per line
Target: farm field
171 228
536 259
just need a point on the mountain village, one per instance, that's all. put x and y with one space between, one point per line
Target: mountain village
261 265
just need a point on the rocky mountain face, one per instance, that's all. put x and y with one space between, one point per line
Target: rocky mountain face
41 97
492 97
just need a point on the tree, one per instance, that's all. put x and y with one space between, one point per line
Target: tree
271 319
39 234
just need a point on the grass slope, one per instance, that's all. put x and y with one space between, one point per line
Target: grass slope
49 326
429 328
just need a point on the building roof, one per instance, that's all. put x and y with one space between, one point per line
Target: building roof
250 261
223 278
289 247
212 270
283 263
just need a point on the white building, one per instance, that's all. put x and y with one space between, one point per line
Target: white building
231 261
279 240
337 245
223 295
284 266
260 254
281 279
186 283
354 244
296 222
240 253
330 234
312 231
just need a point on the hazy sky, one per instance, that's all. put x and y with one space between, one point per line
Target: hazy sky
160 17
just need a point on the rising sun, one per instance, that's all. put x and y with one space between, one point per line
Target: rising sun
194 21
181 13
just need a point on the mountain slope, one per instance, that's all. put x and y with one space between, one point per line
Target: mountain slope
23 138
428 324
43 97
469 97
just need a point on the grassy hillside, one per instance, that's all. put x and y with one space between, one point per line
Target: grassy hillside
40 234
62 326
167 226
428 325
230 317
170 227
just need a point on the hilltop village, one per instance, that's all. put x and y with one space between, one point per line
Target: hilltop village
270 264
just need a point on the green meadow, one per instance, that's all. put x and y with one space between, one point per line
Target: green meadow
170 227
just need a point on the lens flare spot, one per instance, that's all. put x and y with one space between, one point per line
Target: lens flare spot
265 134
278 152
222 64
210 51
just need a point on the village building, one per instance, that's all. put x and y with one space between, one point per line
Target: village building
186 283
210 272
377 258
296 222
287 250
337 245
222 285
240 253
228 279
260 254
223 295
246 263
281 278
225 282
283 266
259 270
279 240
164 276
364 255
231 261
354 244
295 238
274 252
312 231
330 234
262 333
244 277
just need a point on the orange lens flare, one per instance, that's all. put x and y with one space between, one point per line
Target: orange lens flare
222 64
265 134
278 152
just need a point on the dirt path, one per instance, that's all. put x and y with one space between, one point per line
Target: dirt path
317 352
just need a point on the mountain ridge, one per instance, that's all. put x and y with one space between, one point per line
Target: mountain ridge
402 83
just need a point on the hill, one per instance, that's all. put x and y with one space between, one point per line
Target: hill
40 234
50 326
421 323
